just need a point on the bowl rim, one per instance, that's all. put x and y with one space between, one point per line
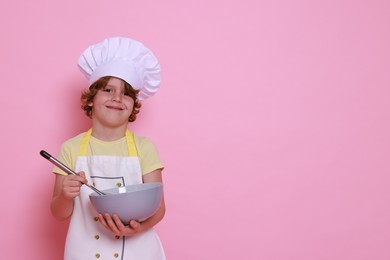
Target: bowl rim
109 194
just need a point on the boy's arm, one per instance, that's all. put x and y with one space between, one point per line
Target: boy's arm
154 176
66 188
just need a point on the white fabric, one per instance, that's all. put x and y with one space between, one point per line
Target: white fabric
87 238
123 58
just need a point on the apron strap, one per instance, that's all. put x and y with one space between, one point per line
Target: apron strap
131 144
129 139
84 143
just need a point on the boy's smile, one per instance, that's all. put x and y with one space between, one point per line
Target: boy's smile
114 107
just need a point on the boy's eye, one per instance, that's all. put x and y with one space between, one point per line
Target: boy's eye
108 90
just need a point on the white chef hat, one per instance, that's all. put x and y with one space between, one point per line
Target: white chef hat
123 58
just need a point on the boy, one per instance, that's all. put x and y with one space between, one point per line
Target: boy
121 72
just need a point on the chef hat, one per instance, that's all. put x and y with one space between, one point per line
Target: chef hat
123 58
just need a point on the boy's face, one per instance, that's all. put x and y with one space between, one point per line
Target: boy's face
111 106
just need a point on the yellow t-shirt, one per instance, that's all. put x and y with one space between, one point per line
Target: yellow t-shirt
147 152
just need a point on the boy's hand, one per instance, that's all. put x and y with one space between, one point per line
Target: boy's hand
71 185
115 225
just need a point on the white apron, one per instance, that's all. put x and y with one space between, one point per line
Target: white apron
87 238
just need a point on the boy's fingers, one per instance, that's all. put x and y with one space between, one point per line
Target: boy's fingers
134 224
82 174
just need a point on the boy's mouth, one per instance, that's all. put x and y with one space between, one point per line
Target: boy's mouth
115 108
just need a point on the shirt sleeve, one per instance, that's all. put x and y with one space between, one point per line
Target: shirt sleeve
148 155
66 156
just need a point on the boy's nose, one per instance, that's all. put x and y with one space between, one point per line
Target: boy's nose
117 97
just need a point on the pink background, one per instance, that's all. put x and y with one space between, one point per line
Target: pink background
272 121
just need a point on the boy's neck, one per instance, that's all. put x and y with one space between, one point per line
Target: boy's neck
108 134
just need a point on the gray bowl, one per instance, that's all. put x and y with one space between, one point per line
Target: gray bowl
132 202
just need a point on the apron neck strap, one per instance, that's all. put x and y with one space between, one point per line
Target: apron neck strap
129 139
131 143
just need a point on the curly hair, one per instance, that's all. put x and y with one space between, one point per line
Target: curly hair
87 97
